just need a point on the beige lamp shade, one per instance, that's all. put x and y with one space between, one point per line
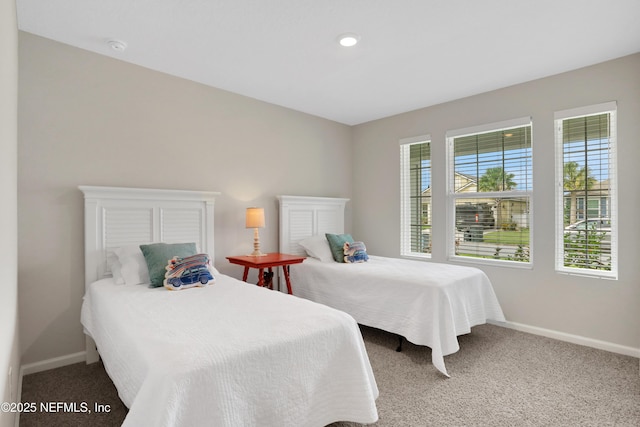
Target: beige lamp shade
255 218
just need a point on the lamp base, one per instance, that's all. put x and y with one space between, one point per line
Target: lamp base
256 244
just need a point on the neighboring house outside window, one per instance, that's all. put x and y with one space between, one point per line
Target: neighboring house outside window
415 196
586 223
490 192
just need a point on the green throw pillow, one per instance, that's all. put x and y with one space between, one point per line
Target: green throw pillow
336 243
157 255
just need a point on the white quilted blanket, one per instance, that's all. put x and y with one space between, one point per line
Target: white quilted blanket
230 354
427 303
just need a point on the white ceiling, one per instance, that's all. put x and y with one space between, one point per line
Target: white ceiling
412 53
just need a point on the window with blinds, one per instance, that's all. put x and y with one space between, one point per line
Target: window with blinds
586 225
415 190
490 190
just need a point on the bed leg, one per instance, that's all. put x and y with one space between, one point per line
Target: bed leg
400 339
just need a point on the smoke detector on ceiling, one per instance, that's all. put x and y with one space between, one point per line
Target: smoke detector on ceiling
117 45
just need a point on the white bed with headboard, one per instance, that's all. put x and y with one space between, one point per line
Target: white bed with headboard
428 303
226 354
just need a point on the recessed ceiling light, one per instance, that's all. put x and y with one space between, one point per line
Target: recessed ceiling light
348 39
117 45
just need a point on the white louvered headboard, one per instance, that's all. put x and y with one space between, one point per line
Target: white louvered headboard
302 216
115 217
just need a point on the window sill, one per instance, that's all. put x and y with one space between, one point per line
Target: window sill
491 262
416 256
586 274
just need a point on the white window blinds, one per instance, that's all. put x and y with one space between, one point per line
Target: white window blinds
490 189
415 199
586 195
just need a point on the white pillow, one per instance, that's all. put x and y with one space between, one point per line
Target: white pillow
133 266
115 267
317 247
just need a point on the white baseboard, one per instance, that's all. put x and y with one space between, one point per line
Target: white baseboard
574 339
19 395
56 362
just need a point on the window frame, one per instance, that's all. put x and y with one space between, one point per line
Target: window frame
405 196
452 196
559 116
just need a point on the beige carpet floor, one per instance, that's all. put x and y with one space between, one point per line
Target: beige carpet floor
500 377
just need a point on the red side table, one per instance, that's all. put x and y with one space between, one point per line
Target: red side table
267 261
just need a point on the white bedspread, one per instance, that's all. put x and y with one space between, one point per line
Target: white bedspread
230 354
427 303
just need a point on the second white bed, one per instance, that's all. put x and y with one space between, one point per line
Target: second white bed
427 303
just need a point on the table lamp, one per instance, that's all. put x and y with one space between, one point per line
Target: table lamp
255 220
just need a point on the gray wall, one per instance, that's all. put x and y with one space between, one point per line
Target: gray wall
601 310
92 120
9 342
